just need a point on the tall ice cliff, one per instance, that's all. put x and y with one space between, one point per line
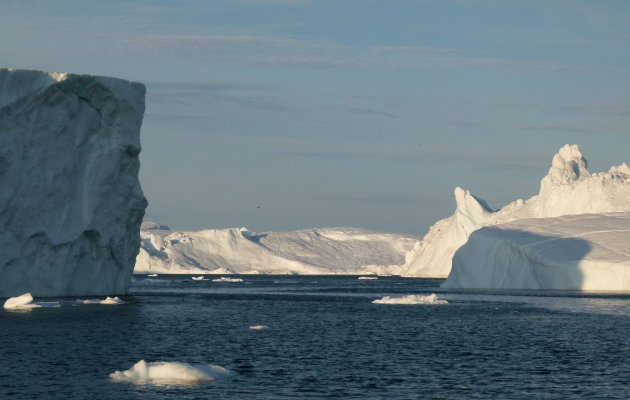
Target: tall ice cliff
70 199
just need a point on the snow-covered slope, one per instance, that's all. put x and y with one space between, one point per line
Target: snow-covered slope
239 251
572 252
70 200
567 189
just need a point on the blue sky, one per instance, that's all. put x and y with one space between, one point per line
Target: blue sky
345 113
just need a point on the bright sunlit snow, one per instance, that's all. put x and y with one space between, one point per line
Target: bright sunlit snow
239 251
567 189
572 252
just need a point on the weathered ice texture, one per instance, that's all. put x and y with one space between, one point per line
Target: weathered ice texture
239 251
70 200
567 189
572 252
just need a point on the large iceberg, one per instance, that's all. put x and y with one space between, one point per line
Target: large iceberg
70 200
240 251
567 189
572 252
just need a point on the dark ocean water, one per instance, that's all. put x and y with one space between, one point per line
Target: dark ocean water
325 340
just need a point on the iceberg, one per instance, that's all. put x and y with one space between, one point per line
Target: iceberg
411 299
70 200
572 252
240 251
567 189
164 373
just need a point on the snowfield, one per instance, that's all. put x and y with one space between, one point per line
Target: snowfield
240 251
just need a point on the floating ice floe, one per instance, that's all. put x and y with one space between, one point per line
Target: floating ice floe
112 300
258 327
224 279
411 299
366 278
198 278
163 373
25 301
108 300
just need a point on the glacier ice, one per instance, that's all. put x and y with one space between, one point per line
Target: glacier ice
240 251
164 373
571 252
411 299
70 200
567 189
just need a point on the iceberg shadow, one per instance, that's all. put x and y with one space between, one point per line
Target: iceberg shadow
499 258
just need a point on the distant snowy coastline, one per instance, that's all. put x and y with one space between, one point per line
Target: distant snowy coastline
320 251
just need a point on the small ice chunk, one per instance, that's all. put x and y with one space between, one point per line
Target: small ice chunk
25 302
411 299
170 373
224 279
258 327
367 278
198 278
112 300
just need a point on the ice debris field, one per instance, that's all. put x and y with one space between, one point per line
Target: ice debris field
25 302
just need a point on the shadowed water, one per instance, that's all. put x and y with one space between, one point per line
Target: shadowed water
325 340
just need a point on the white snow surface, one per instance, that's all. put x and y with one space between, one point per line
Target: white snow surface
411 299
240 251
567 189
70 200
572 252
163 373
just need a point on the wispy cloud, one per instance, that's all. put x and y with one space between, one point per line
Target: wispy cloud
186 93
264 49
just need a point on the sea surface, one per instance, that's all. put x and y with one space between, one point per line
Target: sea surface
326 340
